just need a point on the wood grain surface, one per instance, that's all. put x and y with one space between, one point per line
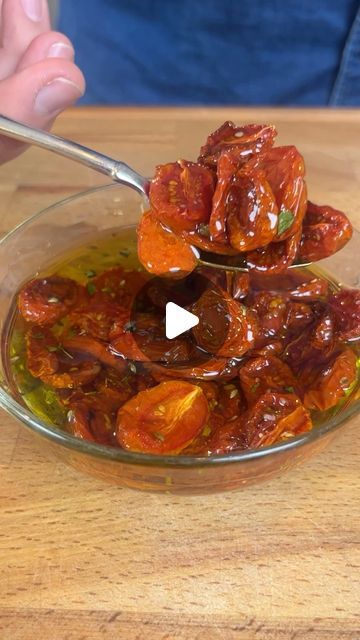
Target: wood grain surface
80 560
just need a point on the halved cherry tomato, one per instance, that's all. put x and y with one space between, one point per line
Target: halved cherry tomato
164 419
181 194
275 417
44 361
263 374
226 327
284 170
298 315
245 141
118 286
250 212
90 424
345 306
161 251
314 289
97 318
325 231
327 384
271 308
227 166
43 301
276 257
95 349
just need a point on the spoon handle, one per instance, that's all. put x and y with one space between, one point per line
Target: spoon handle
117 171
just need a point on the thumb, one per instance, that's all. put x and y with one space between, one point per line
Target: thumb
36 95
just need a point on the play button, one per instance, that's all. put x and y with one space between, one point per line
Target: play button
178 320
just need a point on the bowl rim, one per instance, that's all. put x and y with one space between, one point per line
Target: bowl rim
67 440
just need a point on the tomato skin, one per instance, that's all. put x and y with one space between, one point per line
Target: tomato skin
251 210
276 257
181 194
268 373
44 301
275 417
44 361
315 289
244 142
284 170
97 318
327 384
164 419
345 306
90 424
173 256
325 231
226 327
95 350
214 369
272 310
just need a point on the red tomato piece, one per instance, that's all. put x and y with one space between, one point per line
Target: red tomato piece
275 417
298 316
276 257
161 251
57 368
227 166
213 369
117 286
181 194
44 301
244 141
284 170
97 319
164 419
271 308
96 350
263 374
312 290
250 212
226 327
90 424
327 384
325 231
345 306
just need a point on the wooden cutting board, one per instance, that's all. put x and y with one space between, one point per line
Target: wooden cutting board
83 560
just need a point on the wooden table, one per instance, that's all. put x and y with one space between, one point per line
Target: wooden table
83 560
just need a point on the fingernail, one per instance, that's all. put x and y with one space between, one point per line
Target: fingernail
33 9
57 95
61 50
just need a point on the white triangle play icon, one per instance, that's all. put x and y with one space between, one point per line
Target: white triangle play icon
178 320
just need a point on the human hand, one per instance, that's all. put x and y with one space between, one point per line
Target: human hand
38 77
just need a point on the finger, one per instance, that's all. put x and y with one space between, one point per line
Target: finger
21 22
36 95
47 45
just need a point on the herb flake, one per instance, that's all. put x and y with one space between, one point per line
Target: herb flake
285 220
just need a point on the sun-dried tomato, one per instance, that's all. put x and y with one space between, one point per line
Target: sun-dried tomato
43 301
345 306
325 231
181 194
267 373
161 251
164 419
244 141
327 384
226 327
275 417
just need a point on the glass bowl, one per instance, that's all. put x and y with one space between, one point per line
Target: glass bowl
74 222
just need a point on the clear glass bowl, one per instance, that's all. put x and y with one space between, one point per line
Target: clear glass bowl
74 222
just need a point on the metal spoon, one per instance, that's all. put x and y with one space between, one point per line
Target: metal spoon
115 169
